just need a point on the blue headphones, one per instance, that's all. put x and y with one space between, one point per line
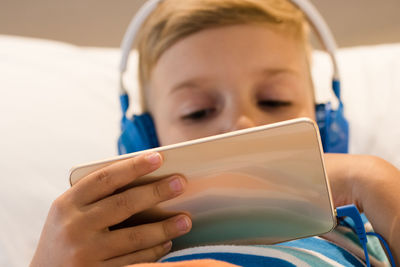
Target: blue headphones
138 133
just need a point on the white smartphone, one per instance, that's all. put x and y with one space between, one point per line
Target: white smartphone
261 185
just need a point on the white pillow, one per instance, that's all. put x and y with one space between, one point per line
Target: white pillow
371 94
59 107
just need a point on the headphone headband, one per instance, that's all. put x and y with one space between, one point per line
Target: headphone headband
313 16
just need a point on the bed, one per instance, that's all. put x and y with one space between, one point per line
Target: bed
59 107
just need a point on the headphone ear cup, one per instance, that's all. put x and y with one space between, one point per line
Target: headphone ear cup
137 134
333 127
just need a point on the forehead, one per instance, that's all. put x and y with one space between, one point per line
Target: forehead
228 52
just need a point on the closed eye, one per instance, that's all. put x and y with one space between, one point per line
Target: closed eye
199 115
273 103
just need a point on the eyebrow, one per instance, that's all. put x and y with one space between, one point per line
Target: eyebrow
190 83
197 82
275 71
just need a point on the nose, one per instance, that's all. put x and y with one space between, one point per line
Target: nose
243 122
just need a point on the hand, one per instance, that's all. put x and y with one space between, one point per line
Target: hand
373 185
76 232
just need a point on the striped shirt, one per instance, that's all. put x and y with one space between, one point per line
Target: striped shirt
337 248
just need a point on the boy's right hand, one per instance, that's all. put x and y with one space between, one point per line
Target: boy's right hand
76 232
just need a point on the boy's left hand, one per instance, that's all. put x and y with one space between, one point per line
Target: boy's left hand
373 185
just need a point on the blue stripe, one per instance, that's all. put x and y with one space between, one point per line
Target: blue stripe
325 248
235 258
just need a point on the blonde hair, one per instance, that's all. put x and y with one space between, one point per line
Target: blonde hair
174 20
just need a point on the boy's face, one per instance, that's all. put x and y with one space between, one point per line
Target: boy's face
229 78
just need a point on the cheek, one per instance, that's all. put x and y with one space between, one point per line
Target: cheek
306 99
311 111
168 131
169 134
309 103
306 107
308 112
163 126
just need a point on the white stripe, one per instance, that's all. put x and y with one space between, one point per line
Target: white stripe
318 255
249 250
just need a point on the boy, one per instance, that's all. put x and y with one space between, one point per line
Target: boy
208 67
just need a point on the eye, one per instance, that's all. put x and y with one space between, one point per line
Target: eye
273 103
199 114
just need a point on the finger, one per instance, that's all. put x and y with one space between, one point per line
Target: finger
121 206
107 180
128 240
146 255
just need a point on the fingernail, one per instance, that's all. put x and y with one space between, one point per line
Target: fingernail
182 224
176 184
167 245
153 158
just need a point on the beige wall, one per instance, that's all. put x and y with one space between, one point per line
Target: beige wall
103 22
